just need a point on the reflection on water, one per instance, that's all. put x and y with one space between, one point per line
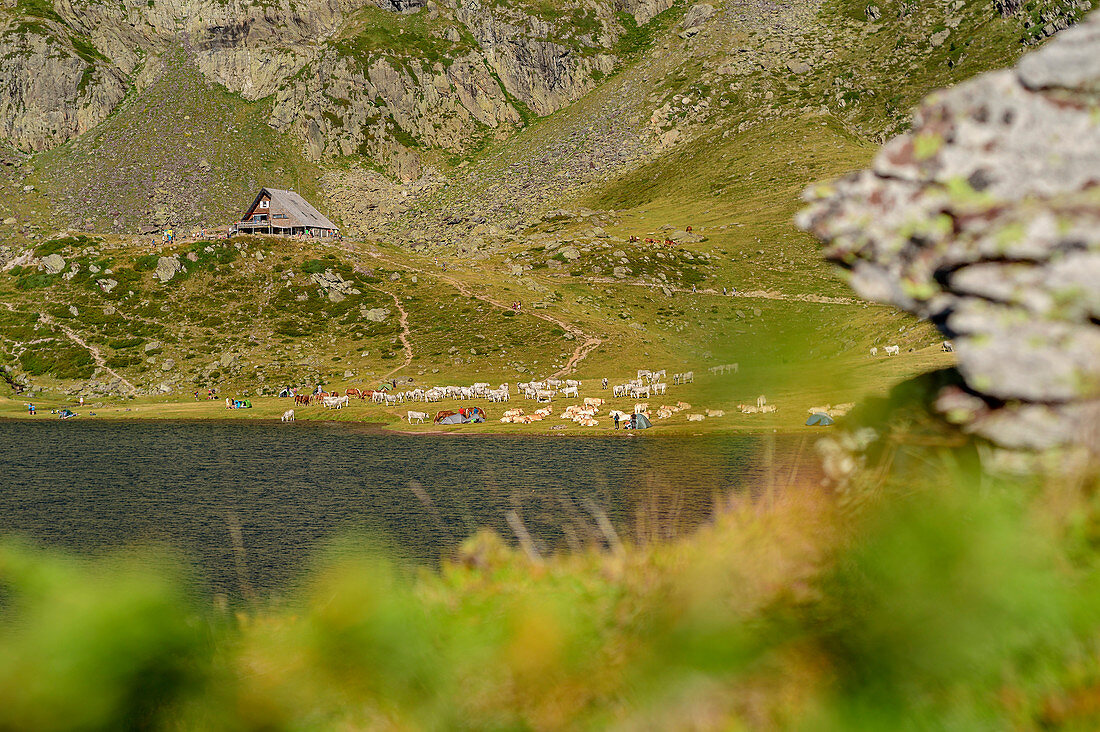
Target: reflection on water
278 492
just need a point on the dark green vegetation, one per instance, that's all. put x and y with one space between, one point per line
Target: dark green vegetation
373 33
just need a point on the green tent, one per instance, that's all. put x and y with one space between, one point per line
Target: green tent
819 419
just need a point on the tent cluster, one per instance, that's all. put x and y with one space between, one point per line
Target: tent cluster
465 415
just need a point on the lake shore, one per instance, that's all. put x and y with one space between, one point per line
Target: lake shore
361 414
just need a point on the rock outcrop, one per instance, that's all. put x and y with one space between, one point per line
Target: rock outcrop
53 90
382 80
986 220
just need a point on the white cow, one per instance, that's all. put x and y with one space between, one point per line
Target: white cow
892 350
288 415
418 416
948 347
761 401
335 402
874 351
570 391
660 387
641 409
637 392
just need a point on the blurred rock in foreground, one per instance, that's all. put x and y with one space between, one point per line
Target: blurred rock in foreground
985 218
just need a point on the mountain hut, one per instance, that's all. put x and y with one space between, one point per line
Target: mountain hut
283 213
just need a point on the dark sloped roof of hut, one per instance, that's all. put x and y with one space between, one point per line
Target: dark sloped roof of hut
296 206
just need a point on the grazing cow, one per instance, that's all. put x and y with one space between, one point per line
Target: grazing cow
335 402
352 393
618 391
660 387
641 409
874 351
948 347
544 395
570 391
893 350
637 392
688 377
418 416
288 416
761 401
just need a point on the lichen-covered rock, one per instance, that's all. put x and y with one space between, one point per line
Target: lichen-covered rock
53 263
986 220
167 268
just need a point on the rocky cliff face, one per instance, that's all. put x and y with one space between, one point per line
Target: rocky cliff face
55 87
383 79
986 220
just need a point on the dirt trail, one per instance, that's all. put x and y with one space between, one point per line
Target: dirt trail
403 335
72 336
588 344
751 294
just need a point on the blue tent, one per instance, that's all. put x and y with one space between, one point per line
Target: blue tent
819 419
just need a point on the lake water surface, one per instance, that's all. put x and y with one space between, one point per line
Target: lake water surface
249 505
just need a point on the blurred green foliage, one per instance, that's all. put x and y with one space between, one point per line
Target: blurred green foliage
945 600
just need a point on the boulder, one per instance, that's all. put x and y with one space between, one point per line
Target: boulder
107 284
167 268
985 219
376 315
53 263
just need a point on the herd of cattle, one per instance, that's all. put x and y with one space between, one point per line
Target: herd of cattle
946 347
646 384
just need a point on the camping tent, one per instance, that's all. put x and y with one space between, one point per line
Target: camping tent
640 422
452 419
444 414
472 414
819 419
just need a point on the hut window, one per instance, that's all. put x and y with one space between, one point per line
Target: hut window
265 204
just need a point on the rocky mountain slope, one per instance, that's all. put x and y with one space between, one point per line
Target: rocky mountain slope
443 107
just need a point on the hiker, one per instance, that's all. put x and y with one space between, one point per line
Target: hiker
616 416
82 401
605 382
724 291
30 408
